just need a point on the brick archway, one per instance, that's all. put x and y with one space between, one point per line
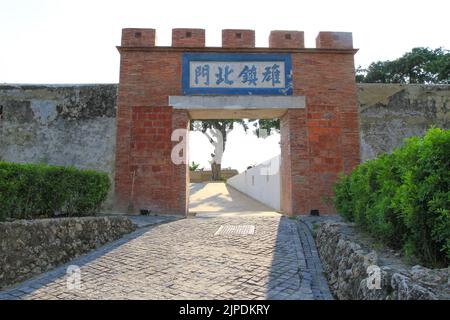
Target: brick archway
319 138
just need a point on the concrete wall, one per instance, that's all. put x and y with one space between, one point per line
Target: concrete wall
389 113
76 124
62 125
261 182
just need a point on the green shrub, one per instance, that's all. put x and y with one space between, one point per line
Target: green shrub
37 190
403 198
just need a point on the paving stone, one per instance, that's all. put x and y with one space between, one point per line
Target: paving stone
182 259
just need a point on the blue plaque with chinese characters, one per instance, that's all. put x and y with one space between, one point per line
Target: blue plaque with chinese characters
237 73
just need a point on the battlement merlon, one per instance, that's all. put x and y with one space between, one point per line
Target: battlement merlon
236 39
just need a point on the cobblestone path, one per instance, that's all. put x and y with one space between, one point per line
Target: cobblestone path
184 259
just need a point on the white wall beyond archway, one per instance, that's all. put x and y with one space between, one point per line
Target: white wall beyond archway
261 182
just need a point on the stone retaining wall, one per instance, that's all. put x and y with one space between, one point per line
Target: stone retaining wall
347 263
30 247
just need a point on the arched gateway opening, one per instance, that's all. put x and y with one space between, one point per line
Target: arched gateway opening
312 91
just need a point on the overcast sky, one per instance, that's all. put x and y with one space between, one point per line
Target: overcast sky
68 41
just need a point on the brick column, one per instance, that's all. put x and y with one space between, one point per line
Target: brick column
322 140
294 162
146 177
123 178
180 172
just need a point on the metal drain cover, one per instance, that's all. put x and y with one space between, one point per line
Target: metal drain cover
235 230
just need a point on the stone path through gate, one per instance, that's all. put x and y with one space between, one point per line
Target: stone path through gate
186 259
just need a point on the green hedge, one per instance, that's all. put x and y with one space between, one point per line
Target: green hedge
30 191
403 198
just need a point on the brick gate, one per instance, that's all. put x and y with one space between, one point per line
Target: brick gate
312 91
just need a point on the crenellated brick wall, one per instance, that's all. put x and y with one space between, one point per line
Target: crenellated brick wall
317 142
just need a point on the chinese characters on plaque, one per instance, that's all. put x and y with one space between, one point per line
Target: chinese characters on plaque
231 74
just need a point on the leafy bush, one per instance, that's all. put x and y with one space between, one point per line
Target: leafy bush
403 198
194 166
37 190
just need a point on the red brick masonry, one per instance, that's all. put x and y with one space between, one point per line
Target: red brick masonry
317 143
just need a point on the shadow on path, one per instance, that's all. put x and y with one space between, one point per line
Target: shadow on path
296 272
